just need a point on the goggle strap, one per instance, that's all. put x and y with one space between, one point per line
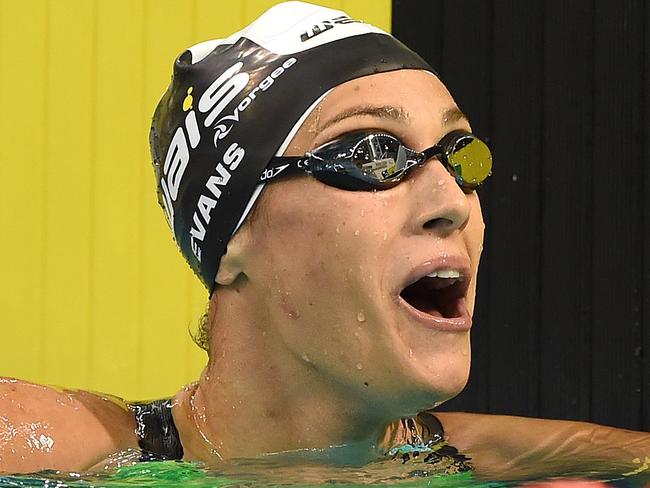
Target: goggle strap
284 166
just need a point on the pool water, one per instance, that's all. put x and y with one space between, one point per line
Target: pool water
255 473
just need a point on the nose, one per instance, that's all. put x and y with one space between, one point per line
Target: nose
441 206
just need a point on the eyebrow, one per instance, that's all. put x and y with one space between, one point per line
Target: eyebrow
449 116
380 111
452 115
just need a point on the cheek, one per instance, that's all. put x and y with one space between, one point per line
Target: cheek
473 237
302 276
321 235
317 268
475 230
298 256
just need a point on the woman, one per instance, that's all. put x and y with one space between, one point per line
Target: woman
341 294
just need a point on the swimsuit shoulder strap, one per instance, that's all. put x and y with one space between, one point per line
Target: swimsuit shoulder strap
157 434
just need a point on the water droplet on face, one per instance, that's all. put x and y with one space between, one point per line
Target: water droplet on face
441 182
385 235
361 317
359 366
305 358
338 229
363 212
410 352
357 232
294 314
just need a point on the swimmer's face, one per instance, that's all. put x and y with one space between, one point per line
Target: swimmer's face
331 266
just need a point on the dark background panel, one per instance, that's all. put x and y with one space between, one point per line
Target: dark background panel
566 221
645 222
560 91
618 153
513 267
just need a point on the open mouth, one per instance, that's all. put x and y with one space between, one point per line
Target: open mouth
439 294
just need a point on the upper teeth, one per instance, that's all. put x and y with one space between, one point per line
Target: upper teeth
445 273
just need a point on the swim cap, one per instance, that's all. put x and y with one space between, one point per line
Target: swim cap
235 103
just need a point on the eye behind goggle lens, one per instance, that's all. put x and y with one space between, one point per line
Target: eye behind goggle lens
360 161
469 159
380 157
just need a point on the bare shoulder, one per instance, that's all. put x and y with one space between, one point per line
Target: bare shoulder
43 427
515 446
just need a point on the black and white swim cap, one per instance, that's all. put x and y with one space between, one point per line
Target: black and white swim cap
235 103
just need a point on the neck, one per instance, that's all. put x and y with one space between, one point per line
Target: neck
256 397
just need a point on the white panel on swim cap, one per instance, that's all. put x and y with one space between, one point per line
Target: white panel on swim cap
292 27
289 27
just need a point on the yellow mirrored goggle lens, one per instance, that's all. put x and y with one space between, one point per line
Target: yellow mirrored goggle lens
471 160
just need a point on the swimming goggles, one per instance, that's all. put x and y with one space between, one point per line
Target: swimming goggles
378 161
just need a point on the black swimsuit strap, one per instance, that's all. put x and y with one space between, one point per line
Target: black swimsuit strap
157 434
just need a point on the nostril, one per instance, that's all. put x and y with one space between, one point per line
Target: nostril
438 223
442 224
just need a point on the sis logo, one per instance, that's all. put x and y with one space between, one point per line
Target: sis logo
214 100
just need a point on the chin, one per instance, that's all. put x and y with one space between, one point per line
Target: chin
440 366
418 392
434 389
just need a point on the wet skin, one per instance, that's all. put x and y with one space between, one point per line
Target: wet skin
311 345
313 283
333 300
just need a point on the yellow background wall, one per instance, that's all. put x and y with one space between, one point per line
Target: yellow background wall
93 293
